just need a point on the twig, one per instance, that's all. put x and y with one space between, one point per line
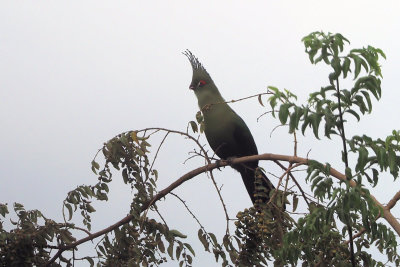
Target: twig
235 100
189 210
268 156
281 178
207 158
158 150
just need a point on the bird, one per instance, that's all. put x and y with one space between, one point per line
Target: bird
226 132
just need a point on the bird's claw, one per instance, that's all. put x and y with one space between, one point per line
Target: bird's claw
218 163
230 159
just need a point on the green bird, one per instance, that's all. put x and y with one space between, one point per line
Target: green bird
226 132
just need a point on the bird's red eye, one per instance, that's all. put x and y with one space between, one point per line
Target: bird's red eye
201 83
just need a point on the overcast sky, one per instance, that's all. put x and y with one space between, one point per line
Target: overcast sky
73 74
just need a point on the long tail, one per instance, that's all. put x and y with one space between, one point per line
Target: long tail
259 189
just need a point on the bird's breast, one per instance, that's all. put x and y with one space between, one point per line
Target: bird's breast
219 129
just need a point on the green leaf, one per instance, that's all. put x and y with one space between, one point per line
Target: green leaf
177 233
352 112
362 158
213 238
170 250
189 247
315 121
357 65
346 67
70 212
90 260
199 117
95 166
203 239
284 112
295 202
102 250
366 95
3 210
194 126
89 208
392 161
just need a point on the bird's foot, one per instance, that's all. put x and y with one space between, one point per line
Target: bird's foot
230 159
218 162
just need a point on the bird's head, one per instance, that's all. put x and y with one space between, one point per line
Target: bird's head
201 78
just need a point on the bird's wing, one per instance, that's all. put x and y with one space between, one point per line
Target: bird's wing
244 139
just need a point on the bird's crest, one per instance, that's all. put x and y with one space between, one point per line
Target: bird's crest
196 64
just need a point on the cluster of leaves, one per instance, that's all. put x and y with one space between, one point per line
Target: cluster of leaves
198 125
141 242
385 155
258 236
324 104
29 242
317 237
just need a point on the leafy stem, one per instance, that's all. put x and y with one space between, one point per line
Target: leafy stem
346 162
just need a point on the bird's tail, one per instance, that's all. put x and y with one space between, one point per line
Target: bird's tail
258 185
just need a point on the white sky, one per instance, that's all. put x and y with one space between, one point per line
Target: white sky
74 74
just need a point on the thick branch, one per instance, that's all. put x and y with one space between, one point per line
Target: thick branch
268 156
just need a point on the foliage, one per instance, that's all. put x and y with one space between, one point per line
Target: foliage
263 233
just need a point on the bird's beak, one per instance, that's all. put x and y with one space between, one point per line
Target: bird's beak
194 87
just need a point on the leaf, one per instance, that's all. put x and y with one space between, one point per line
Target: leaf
170 250
194 126
90 260
284 112
362 158
295 118
392 161
352 112
295 202
260 100
125 175
346 67
375 174
315 120
178 251
203 239
189 259
3 210
199 117
161 246
214 239
89 208
189 247
102 250
357 65
202 127
70 212
134 137
177 233
95 166
366 95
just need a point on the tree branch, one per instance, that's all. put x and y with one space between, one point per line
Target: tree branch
268 156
